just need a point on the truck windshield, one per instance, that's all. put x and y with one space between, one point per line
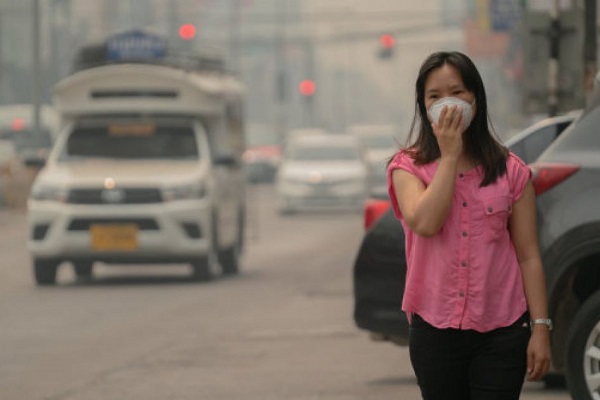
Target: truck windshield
139 140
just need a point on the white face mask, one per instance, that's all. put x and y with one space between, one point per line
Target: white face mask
436 109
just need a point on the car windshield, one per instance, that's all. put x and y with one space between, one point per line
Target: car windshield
378 141
322 153
261 135
132 140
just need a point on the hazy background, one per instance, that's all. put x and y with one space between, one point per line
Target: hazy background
275 44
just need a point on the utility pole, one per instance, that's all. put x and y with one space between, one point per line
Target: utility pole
234 35
173 21
1 49
36 68
554 37
554 58
281 81
590 46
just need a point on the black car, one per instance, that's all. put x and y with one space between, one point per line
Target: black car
380 264
16 124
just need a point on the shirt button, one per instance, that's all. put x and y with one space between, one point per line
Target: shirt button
461 294
463 263
465 234
464 204
461 175
490 209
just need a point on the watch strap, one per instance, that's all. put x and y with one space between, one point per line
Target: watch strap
542 321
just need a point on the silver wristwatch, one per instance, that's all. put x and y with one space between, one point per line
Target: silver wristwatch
542 321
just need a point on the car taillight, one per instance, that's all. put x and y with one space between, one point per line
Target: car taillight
373 210
548 175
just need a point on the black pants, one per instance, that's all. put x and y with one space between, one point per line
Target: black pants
469 365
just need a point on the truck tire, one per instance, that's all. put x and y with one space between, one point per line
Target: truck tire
230 260
201 270
44 271
230 257
241 230
583 351
206 268
83 269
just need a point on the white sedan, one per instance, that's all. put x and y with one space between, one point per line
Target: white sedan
322 171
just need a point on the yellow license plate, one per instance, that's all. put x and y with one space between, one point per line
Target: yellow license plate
114 237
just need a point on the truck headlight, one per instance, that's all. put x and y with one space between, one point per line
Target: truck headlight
184 192
49 193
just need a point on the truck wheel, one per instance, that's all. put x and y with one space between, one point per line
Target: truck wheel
83 269
45 271
230 257
230 260
206 268
241 230
583 351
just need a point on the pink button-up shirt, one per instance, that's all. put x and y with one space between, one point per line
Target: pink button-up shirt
467 275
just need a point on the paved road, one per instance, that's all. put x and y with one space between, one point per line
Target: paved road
283 329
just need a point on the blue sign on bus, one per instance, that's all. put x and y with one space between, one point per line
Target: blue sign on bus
135 45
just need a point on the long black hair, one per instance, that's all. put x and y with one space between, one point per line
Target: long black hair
480 146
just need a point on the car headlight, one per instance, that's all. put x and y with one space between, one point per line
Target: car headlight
49 193
184 192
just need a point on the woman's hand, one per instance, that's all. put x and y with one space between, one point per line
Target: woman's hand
538 353
448 131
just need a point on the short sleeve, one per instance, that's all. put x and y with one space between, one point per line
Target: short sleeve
518 175
401 160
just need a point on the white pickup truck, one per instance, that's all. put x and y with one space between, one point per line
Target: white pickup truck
146 169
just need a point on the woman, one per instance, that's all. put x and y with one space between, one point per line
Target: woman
475 290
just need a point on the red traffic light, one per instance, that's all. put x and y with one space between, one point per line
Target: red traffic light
307 87
387 41
187 31
18 124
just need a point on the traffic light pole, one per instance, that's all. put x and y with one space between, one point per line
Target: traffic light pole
590 46
234 35
553 62
309 101
36 69
281 80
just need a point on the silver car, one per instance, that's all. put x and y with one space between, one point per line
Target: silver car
322 171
